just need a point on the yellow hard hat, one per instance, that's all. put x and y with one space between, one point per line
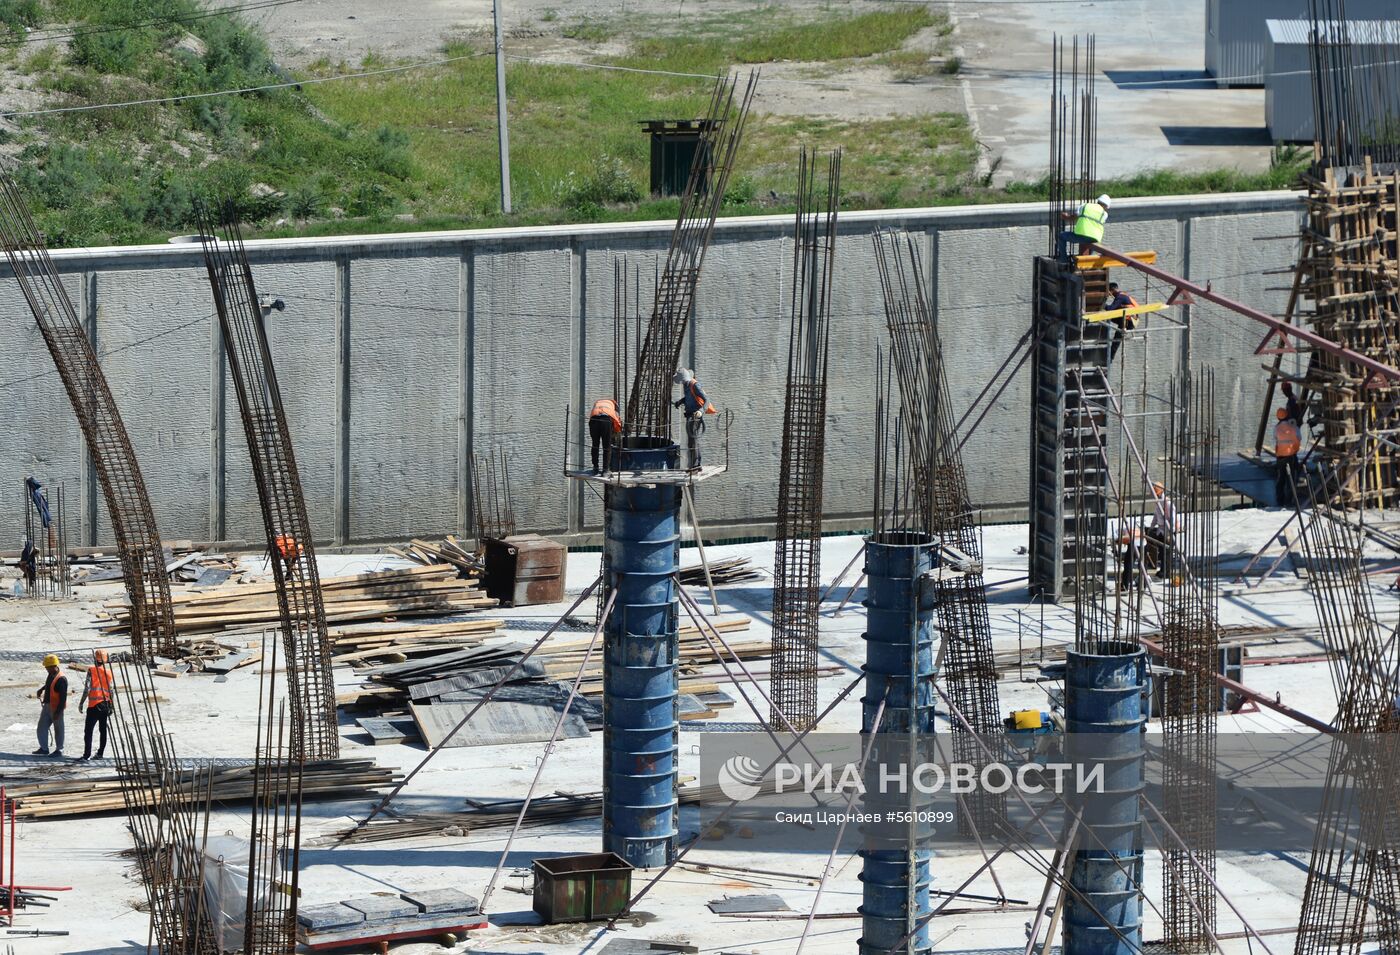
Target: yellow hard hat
51 660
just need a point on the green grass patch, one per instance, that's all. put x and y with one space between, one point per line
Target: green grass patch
770 34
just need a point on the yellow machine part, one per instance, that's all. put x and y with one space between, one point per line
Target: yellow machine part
1026 719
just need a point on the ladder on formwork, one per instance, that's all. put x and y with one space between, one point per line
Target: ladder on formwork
1069 463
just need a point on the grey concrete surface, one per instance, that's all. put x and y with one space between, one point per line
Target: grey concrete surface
1157 108
400 356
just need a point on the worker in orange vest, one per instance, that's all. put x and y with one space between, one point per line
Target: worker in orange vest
288 548
97 697
53 700
603 424
694 405
1287 443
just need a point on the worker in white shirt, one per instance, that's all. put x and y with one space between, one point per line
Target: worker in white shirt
1161 530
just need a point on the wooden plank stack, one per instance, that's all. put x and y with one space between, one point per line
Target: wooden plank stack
87 795
408 592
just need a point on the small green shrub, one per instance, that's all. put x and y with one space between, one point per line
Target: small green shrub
951 66
607 183
304 201
741 191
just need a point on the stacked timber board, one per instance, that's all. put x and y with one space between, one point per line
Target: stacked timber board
410 591
88 795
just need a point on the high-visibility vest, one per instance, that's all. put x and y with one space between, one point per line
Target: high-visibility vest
707 407
1092 218
608 408
53 697
99 685
288 547
1286 440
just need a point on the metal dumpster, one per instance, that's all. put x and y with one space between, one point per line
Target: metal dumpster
582 888
524 569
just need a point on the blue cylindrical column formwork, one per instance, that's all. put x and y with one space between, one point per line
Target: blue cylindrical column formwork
640 656
1104 719
899 654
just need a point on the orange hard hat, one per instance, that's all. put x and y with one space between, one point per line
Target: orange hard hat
1158 486
1281 413
99 655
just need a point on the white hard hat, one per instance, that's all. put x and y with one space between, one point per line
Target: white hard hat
683 375
1104 201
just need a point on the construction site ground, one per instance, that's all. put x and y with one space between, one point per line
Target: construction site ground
217 721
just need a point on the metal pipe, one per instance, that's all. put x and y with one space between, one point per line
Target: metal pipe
1244 691
1376 368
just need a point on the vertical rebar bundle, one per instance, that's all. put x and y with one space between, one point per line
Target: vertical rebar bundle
1354 870
1074 119
492 502
168 829
274 838
943 507
1191 638
1356 95
164 828
797 553
649 405
44 557
104 434
307 646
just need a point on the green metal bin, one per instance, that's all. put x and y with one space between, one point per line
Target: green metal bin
582 888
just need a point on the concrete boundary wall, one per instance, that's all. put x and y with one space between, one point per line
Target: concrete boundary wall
401 355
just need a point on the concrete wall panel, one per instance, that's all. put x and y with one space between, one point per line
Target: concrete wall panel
303 342
154 332
39 434
523 371
404 371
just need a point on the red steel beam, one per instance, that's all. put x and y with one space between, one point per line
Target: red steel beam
1373 368
1239 688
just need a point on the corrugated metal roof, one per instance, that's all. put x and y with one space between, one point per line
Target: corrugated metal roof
1356 32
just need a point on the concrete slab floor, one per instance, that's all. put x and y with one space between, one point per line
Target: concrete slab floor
216 721
1157 109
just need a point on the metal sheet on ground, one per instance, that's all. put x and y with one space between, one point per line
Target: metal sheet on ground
748 903
494 724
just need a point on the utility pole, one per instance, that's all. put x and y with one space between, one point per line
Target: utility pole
501 110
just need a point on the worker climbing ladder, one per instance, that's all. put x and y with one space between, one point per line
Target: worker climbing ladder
1069 465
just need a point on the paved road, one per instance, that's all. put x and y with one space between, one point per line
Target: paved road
1155 108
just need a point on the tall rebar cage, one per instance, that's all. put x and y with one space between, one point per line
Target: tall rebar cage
898 708
797 552
1104 720
306 642
640 656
